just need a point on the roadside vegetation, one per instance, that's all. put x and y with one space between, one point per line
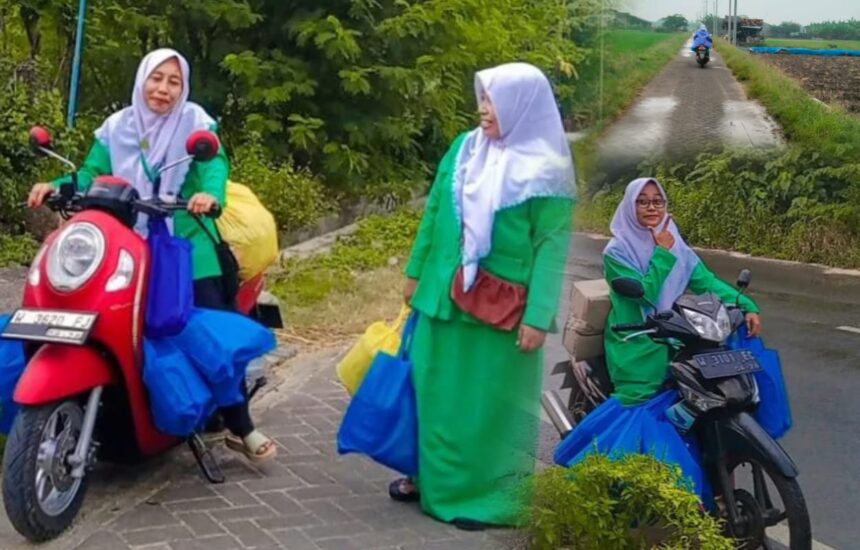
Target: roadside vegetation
799 203
814 44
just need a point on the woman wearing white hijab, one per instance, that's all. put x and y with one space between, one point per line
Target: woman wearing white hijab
647 246
133 144
485 274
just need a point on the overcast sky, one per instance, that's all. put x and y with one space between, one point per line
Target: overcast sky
772 11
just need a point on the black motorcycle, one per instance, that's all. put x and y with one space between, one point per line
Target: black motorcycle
703 55
754 480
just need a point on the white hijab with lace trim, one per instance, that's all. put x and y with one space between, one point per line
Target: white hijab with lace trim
531 159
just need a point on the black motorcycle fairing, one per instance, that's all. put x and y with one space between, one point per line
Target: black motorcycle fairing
741 435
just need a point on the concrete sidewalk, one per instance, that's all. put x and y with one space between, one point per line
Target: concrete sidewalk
308 499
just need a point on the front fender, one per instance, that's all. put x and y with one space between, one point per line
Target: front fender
59 371
743 436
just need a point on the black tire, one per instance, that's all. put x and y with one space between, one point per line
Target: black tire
797 515
19 478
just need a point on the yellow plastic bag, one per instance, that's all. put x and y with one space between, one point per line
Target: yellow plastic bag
378 337
250 230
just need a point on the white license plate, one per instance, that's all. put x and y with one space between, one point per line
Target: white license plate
65 327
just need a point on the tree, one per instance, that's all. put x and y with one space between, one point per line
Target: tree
785 29
674 23
366 93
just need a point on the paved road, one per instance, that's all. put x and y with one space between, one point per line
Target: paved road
686 110
802 308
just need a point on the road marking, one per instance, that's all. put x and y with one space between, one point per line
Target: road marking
780 534
853 330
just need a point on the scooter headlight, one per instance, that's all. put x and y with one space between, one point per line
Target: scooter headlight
709 329
75 256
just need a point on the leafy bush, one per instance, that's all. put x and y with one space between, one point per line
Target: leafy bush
295 197
795 205
378 241
17 250
632 503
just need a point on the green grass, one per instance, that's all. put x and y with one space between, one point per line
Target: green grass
814 44
828 131
623 41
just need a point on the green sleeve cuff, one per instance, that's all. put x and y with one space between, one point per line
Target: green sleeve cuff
414 268
540 317
748 305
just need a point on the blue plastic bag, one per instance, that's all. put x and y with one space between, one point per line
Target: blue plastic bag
180 400
12 364
382 420
774 410
615 430
222 343
171 282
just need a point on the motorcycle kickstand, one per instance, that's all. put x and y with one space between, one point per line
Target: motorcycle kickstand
206 460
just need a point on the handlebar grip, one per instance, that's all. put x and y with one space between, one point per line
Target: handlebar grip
628 327
215 212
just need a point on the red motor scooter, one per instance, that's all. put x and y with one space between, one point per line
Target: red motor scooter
82 394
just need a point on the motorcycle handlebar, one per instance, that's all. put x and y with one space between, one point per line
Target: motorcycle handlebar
629 327
161 208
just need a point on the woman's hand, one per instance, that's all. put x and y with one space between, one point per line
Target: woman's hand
753 325
664 238
38 194
530 338
202 203
409 290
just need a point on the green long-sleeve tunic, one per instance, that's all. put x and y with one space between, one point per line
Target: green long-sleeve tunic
478 394
203 177
639 366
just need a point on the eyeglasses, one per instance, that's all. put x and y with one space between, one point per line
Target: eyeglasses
656 203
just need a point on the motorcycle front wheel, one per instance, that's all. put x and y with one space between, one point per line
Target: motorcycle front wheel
40 495
771 506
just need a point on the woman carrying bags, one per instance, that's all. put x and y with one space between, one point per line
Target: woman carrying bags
485 275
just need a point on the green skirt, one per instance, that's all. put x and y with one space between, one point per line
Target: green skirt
478 420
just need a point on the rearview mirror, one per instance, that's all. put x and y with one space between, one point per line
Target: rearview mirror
629 288
40 138
203 145
744 279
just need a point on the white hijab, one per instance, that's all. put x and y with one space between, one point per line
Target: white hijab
531 159
633 244
136 132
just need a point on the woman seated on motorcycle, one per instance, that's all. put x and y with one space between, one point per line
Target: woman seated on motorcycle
133 144
647 246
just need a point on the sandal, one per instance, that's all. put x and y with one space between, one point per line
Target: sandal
396 492
263 453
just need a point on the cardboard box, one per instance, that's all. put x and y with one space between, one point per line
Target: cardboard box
583 331
590 305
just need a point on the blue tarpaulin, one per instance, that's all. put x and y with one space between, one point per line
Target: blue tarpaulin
806 51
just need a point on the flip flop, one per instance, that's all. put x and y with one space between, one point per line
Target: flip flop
396 492
263 453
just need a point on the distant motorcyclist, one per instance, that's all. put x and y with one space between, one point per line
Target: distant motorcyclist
702 38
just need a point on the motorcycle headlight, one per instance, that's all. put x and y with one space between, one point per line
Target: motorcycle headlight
709 329
700 402
75 256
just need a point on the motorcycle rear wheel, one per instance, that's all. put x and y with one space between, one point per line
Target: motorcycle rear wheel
793 513
41 497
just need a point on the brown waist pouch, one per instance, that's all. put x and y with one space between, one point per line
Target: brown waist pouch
493 300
